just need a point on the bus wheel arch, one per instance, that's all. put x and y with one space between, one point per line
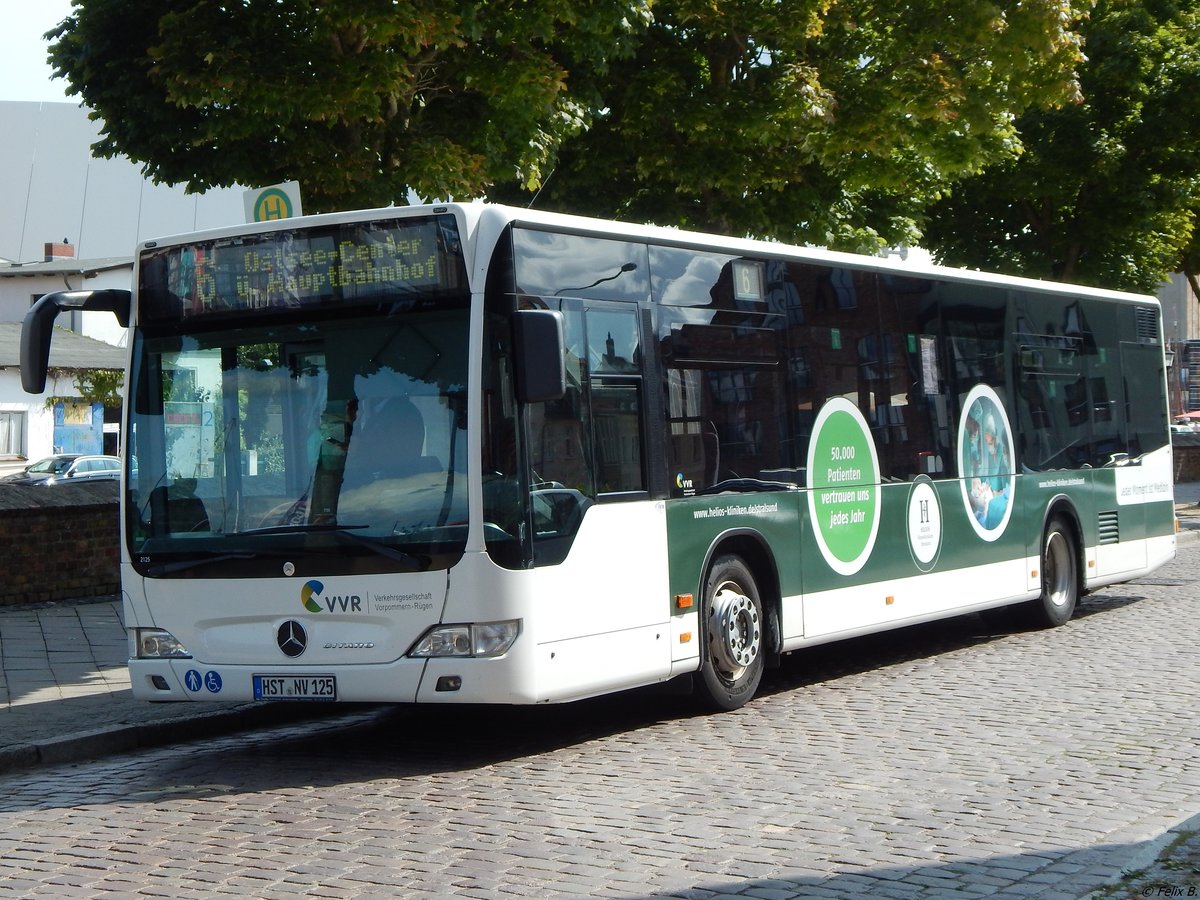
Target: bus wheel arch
739 622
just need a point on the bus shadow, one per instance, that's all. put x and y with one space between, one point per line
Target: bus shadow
368 742
854 656
1094 604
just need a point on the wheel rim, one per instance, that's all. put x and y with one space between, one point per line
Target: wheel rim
1060 582
735 635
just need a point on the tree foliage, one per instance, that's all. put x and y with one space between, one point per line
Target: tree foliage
1107 190
815 119
834 122
92 385
361 101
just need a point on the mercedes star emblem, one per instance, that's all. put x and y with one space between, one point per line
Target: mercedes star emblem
292 638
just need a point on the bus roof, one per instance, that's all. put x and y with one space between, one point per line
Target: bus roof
487 218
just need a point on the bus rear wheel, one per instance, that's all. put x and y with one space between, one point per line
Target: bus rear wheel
732 652
1060 577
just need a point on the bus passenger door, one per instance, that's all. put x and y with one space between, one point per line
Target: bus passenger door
593 519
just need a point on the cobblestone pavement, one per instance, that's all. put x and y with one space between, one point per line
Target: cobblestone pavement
65 696
946 759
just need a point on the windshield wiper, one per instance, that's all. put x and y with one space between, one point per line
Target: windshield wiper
412 560
180 565
299 528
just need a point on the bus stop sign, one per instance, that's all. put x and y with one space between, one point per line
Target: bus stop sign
278 201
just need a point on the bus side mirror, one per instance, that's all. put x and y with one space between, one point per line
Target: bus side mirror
540 355
38 327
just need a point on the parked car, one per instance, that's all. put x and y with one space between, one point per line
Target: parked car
64 468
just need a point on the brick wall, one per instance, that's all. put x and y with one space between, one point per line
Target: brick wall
1186 452
58 543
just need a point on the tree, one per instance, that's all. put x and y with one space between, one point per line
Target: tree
832 122
361 101
1190 258
101 386
1107 190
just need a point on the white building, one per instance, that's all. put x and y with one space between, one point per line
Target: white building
52 188
69 221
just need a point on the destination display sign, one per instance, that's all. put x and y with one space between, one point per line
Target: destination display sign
301 267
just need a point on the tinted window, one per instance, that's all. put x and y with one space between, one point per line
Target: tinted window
1088 380
723 347
565 265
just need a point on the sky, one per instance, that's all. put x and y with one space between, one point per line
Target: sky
24 73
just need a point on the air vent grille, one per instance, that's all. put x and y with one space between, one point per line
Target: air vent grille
1109 527
1146 324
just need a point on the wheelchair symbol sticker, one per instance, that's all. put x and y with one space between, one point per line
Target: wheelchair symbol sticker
212 681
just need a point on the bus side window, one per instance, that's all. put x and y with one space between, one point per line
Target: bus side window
559 430
504 508
614 366
589 442
618 412
1142 365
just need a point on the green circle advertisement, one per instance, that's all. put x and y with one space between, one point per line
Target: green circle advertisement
985 454
843 486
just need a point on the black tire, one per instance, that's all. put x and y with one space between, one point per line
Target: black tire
1060 577
734 631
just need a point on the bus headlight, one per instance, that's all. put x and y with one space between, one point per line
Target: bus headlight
477 639
154 643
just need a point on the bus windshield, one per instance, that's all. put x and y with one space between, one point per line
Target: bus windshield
340 438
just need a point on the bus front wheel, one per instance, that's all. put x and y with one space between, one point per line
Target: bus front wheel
1060 577
732 652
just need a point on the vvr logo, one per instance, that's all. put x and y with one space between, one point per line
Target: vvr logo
312 596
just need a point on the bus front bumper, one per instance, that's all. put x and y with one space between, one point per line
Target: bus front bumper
465 680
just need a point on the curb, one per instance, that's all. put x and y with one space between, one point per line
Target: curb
83 746
1151 852
1141 874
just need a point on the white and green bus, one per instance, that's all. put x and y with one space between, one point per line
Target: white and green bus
473 454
